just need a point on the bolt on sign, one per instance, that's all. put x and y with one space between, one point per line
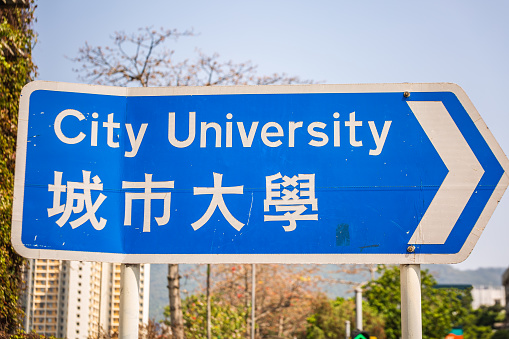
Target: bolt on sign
387 173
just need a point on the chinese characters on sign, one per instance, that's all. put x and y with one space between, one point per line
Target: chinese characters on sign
83 199
290 197
292 202
217 201
147 197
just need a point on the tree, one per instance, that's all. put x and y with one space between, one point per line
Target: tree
489 315
16 69
227 320
176 317
502 334
329 316
142 59
442 308
284 295
481 322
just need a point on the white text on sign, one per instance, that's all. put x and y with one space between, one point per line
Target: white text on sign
271 133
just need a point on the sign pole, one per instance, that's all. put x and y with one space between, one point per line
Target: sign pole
411 317
129 301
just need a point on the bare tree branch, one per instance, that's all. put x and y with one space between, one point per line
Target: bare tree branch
142 59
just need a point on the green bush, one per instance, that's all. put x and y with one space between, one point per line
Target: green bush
16 69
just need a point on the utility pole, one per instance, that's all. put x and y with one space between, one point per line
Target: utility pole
209 307
253 301
358 308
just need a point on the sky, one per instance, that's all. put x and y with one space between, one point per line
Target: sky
333 42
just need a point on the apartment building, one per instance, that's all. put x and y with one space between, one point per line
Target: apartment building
74 299
488 296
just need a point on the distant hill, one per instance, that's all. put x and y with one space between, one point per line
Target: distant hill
447 274
444 274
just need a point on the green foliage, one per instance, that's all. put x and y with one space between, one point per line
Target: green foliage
16 69
502 334
20 334
442 308
328 320
477 332
227 321
480 323
489 315
384 295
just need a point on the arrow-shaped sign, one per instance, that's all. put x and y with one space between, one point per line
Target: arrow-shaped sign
464 175
385 173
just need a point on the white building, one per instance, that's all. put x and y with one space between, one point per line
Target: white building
488 296
74 299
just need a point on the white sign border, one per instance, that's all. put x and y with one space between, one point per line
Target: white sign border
368 258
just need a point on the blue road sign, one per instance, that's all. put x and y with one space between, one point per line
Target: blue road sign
402 173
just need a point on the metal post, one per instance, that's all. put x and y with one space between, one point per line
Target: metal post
358 307
347 329
129 301
411 317
30 293
253 303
